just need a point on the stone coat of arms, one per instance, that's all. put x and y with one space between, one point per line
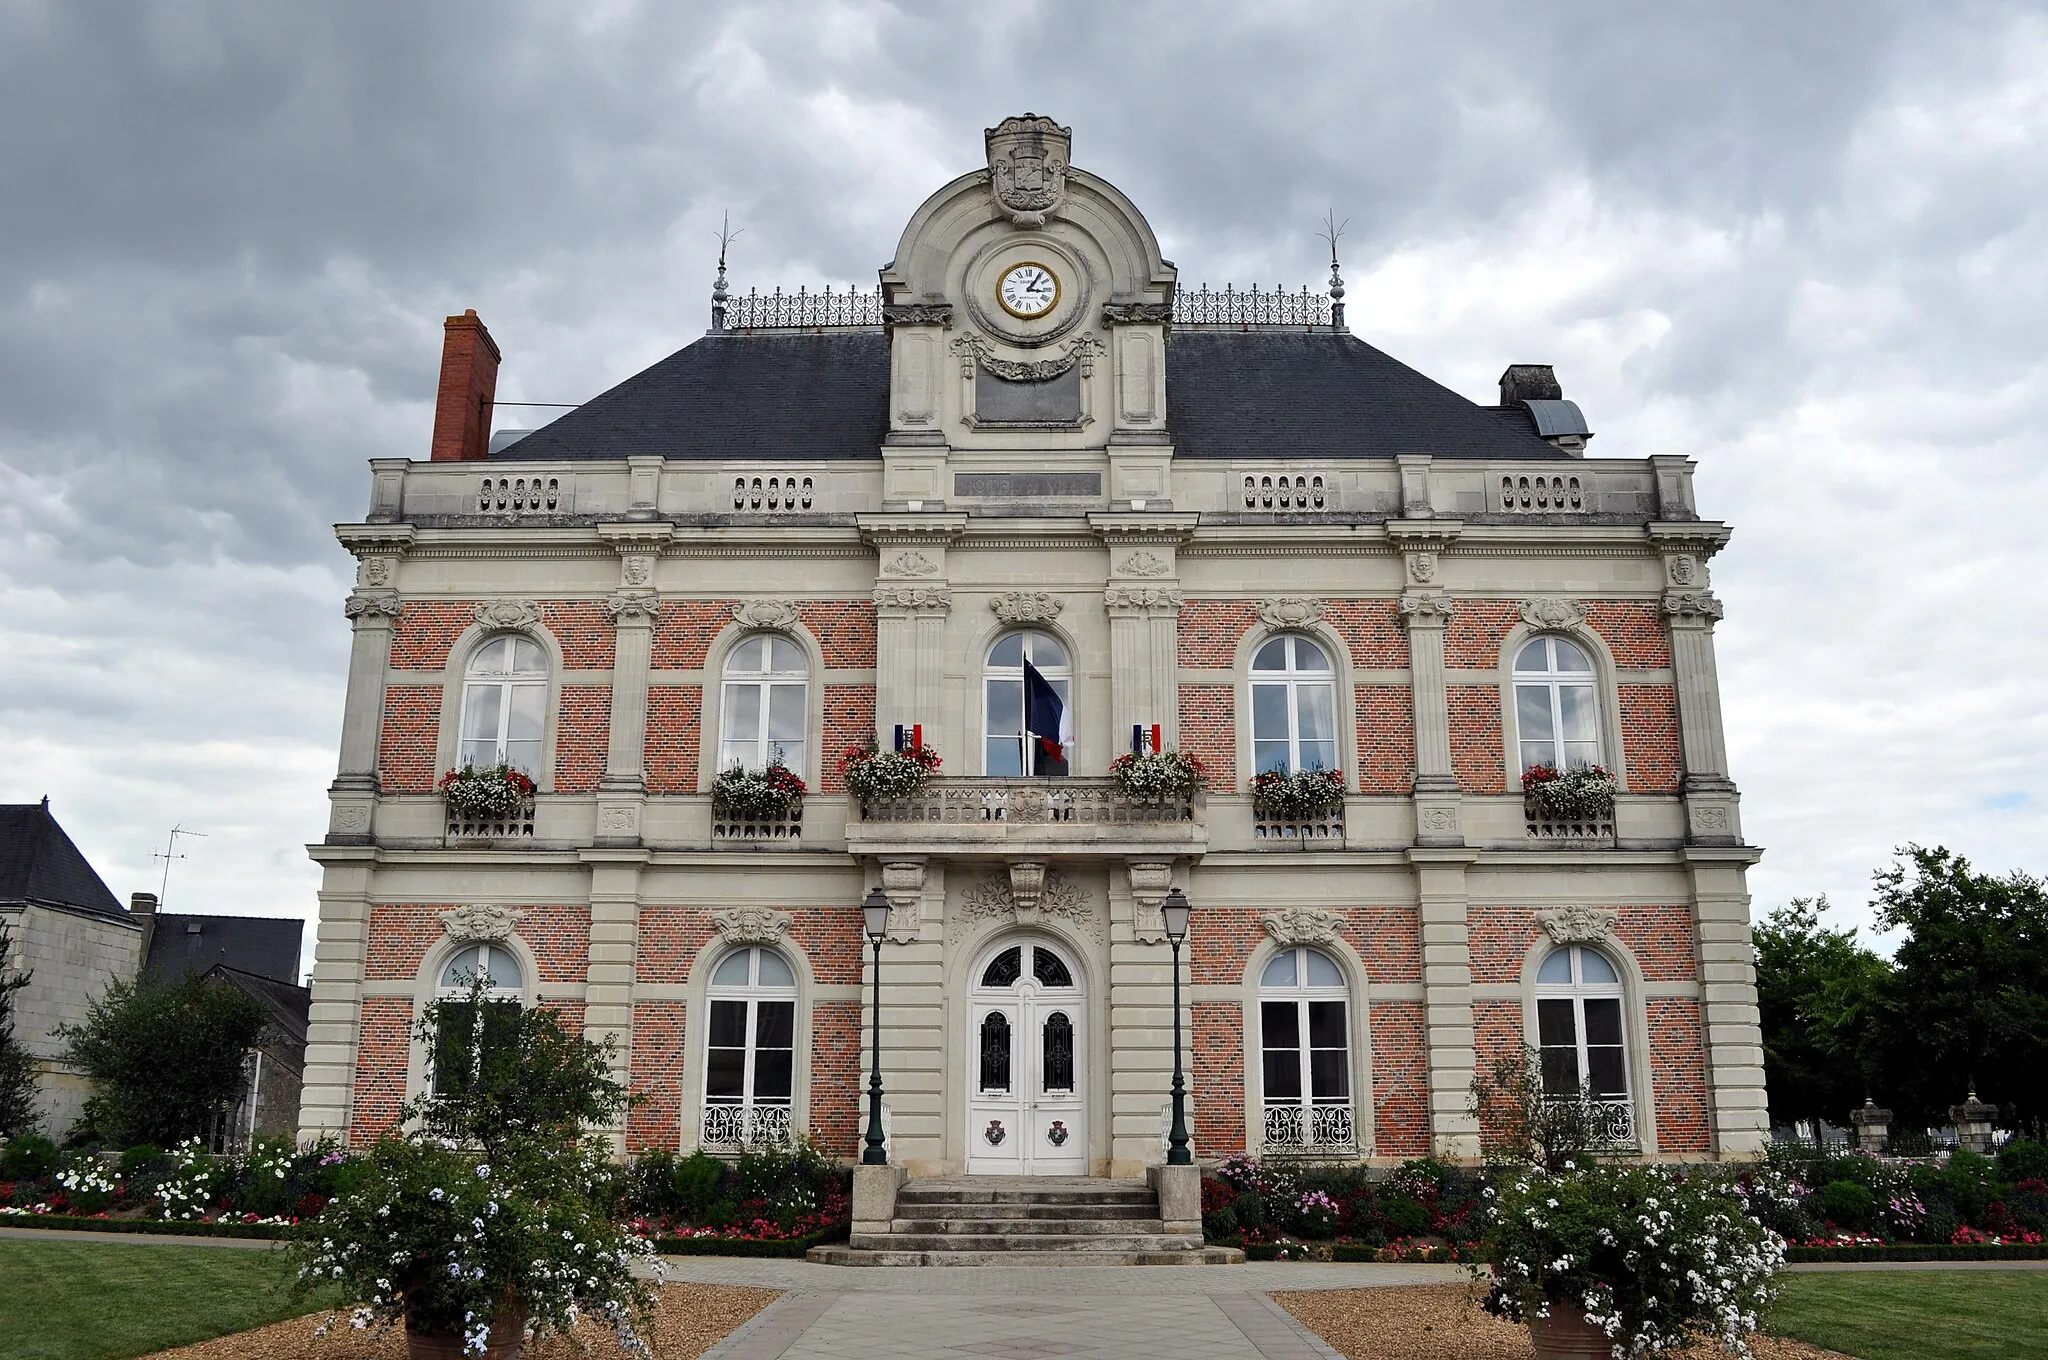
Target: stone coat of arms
1027 166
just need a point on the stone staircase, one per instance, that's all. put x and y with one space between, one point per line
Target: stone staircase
1005 1220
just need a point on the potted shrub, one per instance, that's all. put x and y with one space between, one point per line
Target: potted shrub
494 1215
1581 795
1302 796
489 793
768 795
873 774
1155 776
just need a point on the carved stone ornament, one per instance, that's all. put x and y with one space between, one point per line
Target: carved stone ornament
1301 925
1142 563
1437 820
1553 611
1026 606
751 925
376 606
1710 817
1290 611
1137 313
508 614
1692 604
1081 350
479 921
912 563
374 571
638 569
1578 925
1151 880
1144 597
1027 886
1426 607
917 314
1058 896
765 613
1027 167
1684 570
1422 567
914 599
633 606
903 885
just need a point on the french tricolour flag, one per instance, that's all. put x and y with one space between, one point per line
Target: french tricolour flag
1049 720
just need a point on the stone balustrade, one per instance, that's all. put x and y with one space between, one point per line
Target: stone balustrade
974 814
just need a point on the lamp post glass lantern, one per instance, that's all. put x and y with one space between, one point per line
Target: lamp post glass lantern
874 912
1176 910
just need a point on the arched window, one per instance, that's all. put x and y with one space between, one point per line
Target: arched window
1579 1025
763 722
1305 1051
750 1049
505 705
1557 715
1294 707
472 1040
1014 746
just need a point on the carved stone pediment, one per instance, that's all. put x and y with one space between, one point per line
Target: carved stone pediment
512 615
1026 606
1302 925
751 925
480 921
1553 611
1290 611
765 613
1581 925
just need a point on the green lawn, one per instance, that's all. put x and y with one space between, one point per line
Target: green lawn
1918 1314
109 1300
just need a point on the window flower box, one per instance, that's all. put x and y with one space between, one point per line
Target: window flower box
1304 807
491 802
1157 776
1569 806
756 805
874 775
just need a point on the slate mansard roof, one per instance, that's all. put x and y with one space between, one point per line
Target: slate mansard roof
40 865
263 946
1229 394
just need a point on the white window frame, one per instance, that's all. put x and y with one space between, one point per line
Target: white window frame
764 682
1578 992
1061 678
753 993
1294 680
1553 681
445 990
507 685
1300 994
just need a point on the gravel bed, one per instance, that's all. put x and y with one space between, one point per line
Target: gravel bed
691 1319
1445 1322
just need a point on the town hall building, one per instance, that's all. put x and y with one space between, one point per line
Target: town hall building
1036 472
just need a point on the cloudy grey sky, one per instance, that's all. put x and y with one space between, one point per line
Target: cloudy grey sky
1803 244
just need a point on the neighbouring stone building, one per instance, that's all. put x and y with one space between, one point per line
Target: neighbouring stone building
1034 453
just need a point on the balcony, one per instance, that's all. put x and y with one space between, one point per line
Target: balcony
973 814
1323 1126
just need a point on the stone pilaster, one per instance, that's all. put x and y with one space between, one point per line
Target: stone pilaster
614 946
334 1017
1712 807
1426 612
622 793
373 610
1447 984
1144 599
913 603
1730 1026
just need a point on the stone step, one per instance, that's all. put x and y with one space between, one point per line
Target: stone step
891 1256
1079 1198
1069 1227
1107 1212
1088 1244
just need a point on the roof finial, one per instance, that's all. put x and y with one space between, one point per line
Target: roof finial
1331 232
725 238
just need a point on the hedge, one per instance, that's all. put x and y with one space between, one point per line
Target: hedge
1919 1251
161 1227
746 1246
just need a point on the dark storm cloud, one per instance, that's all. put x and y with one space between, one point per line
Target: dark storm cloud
1800 242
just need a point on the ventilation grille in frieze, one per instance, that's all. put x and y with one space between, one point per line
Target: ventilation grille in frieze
771 494
1286 491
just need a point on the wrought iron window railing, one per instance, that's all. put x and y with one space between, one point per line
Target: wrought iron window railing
1321 1125
730 1124
1277 307
1613 1123
802 310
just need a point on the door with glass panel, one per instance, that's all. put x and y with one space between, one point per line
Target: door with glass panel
1026 1065
750 1050
1583 1041
1305 1053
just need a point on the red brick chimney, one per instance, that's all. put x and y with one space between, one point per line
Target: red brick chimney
469 383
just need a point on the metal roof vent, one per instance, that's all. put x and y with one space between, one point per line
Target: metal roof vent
1534 388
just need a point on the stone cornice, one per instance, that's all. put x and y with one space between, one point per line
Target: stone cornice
897 530
363 539
1702 538
1424 535
1144 527
637 536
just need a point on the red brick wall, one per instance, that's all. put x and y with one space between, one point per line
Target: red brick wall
582 731
1678 1075
1477 627
1218 1077
569 1014
674 735
400 935
1649 738
383 1053
1208 731
655 1074
845 630
836 1107
1497 1034
426 633
408 747
1220 942
1210 629
1389 939
831 940
671 938
584 632
849 721
1400 1080
1632 630
1476 749
683 631
1386 739
1372 630
1660 937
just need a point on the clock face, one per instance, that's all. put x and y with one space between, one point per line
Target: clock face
1028 290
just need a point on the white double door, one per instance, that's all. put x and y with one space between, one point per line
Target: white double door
1027 1064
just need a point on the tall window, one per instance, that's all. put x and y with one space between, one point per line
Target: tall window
1578 1025
505 704
472 1043
1009 751
1294 707
1555 710
750 1049
1305 1058
765 677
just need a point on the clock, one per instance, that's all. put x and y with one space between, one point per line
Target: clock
1028 290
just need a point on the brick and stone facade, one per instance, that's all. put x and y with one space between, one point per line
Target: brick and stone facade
1073 474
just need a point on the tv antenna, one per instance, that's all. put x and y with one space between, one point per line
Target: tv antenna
170 853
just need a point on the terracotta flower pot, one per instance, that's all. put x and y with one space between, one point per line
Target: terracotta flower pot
508 1337
1566 1335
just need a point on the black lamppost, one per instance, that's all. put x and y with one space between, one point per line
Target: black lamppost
874 911
1176 909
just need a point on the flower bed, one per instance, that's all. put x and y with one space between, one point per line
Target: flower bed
1582 795
1421 1208
249 1226
873 774
1156 776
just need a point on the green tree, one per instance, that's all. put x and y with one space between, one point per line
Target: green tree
1818 991
505 1072
164 1058
1969 998
17 1067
